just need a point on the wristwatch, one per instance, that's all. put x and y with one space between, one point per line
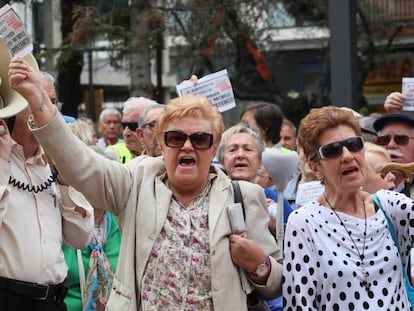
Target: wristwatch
263 268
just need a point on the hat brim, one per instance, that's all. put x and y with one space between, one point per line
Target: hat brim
11 102
393 117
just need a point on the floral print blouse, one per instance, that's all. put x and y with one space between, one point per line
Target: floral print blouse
178 273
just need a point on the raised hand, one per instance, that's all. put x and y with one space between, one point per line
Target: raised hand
394 102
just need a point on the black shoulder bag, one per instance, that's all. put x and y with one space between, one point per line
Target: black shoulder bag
254 301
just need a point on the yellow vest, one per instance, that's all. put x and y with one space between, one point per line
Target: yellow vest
122 151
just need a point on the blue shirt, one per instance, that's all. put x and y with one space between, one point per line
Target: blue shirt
287 209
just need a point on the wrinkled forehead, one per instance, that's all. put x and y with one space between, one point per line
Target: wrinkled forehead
395 127
242 139
153 114
111 117
189 124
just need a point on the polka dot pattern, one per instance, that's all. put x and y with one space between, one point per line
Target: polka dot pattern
322 269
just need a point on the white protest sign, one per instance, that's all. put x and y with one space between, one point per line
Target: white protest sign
216 87
308 191
408 93
14 33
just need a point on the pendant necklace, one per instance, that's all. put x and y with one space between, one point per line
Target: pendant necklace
365 283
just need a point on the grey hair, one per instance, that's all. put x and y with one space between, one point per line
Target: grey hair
236 129
132 102
107 112
371 150
47 76
289 123
83 130
143 114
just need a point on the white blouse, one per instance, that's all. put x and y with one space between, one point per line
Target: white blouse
322 270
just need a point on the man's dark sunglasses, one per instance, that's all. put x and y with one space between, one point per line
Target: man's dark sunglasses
400 140
199 140
334 150
151 125
131 125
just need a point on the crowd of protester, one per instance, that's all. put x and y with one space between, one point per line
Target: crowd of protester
157 187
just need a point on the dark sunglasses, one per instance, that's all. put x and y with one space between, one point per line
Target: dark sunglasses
131 125
199 140
151 125
400 140
334 150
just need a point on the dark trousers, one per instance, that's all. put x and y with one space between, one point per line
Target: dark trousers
14 297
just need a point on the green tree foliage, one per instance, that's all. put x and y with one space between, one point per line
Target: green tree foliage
209 35
377 30
80 29
232 34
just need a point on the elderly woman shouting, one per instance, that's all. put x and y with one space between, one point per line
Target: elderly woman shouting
339 252
177 251
240 152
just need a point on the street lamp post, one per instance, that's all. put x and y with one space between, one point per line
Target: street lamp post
91 104
343 53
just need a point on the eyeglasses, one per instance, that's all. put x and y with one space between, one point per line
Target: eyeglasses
400 140
334 150
151 125
199 140
131 125
57 103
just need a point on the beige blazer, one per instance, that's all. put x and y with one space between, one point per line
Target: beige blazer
135 193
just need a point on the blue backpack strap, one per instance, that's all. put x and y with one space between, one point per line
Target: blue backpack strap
391 229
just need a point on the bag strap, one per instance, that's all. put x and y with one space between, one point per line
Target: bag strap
238 198
391 228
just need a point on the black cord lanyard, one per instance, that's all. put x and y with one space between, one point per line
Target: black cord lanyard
33 188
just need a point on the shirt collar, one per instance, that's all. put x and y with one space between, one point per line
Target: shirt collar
38 158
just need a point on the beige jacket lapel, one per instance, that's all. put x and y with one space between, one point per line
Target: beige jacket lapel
163 197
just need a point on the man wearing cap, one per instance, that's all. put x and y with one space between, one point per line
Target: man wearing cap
396 134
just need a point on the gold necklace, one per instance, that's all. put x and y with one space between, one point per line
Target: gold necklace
365 283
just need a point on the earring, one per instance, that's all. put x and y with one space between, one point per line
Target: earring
321 179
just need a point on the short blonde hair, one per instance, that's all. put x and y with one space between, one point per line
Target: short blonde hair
194 106
371 150
83 130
